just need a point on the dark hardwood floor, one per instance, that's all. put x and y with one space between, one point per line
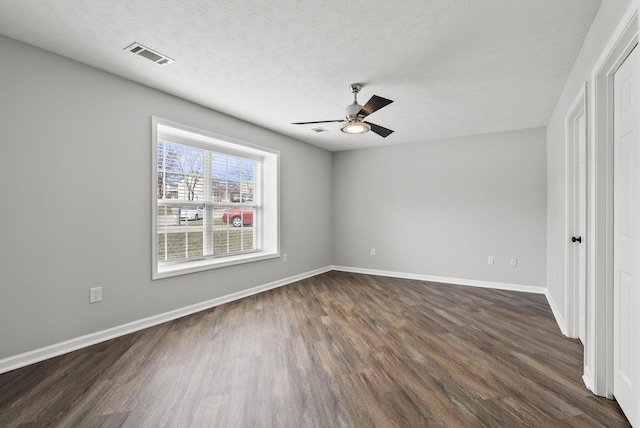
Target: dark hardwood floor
336 350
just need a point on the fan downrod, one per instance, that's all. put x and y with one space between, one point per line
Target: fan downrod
354 108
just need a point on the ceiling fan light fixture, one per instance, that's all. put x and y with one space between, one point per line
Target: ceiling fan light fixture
354 118
355 127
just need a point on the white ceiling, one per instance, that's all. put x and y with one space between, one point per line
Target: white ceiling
453 67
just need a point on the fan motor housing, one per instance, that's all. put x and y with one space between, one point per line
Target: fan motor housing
353 110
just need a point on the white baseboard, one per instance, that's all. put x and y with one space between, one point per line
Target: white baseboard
588 382
556 314
37 355
446 280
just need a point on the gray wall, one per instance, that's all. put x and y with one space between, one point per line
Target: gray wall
75 170
440 208
605 22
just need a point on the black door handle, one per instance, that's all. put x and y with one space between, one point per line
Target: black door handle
578 239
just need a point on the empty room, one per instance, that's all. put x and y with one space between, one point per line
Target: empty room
319 214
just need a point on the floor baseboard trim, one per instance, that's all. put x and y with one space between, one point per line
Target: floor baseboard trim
446 280
588 382
556 314
41 354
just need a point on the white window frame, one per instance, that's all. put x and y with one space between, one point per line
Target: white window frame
269 246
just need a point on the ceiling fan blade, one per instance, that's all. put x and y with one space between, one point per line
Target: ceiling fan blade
380 130
374 104
320 121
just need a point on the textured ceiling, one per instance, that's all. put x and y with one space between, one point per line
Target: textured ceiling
453 67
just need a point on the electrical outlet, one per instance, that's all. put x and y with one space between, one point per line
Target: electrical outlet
490 260
95 294
514 262
373 251
284 258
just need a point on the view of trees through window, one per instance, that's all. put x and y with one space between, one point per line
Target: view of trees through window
208 202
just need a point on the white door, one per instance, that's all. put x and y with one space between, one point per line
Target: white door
576 124
581 217
626 245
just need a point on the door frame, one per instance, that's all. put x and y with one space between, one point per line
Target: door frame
578 109
598 368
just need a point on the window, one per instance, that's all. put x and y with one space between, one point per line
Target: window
215 201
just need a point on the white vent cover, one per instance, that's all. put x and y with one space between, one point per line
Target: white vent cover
150 54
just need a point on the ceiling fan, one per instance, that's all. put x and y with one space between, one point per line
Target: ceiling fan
353 121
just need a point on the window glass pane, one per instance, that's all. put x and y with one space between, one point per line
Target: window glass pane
233 178
168 169
230 241
170 183
218 189
219 177
179 246
169 247
234 232
234 191
180 232
180 171
192 168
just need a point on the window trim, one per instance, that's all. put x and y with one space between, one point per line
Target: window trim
219 143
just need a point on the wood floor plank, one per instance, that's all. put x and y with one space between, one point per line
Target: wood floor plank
336 350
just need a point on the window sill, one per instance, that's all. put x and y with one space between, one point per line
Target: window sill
169 270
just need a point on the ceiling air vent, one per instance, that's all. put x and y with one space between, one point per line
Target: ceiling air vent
150 54
319 130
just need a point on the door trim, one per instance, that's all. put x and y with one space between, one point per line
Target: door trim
598 370
578 109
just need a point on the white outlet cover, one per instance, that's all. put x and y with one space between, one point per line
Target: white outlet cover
95 294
